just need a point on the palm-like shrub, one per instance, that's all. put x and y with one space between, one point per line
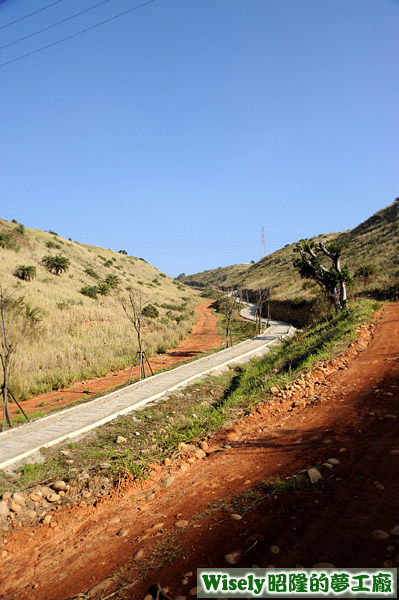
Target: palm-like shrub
25 272
56 264
103 288
150 311
112 281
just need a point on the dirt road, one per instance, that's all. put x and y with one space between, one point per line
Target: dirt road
131 540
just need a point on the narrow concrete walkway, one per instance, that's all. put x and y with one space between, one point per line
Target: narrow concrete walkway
20 443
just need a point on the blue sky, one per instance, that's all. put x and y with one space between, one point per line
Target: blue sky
179 130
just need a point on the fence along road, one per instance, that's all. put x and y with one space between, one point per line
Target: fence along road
18 444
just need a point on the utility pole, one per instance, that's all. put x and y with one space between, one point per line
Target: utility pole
262 244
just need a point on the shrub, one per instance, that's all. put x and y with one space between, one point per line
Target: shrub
113 281
20 228
25 272
89 290
91 272
122 252
52 232
56 264
51 244
366 271
108 263
103 288
150 311
7 241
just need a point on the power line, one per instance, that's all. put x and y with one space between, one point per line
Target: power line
30 14
73 35
26 37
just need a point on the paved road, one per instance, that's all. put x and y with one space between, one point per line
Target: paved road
22 442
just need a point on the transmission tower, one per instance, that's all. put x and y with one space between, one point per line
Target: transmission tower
262 244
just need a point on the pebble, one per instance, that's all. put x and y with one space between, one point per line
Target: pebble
389 416
327 441
53 498
204 446
395 530
47 519
200 453
379 486
314 475
86 494
378 534
120 439
232 558
114 520
274 389
168 482
18 499
15 507
138 554
148 597
182 447
122 533
184 581
4 512
235 517
188 574
275 549
181 524
31 514
191 460
342 450
6 496
4 553
333 461
35 497
59 486
167 461
227 446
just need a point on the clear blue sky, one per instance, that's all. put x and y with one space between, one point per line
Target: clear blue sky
179 130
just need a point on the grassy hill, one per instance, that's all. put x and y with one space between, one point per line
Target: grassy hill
375 243
80 336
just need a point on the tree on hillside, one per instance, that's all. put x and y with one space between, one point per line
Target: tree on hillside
262 299
56 264
333 280
228 306
112 280
134 308
17 320
25 272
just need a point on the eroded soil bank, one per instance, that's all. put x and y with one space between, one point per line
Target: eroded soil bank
181 517
203 337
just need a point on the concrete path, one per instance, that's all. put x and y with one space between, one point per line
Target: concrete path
20 443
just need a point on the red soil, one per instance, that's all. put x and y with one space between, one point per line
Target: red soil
331 522
203 337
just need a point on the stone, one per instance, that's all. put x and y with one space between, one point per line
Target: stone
167 461
333 461
193 591
235 517
184 581
204 446
275 549
137 555
232 558
86 494
379 534
168 481
16 508
191 460
35 497
120 439
18 498
181 524
314 475
188 574
199 453
389 416
114 520
4 511
47 519
59 486
105 465
343 450
379 486
148 597
4 553
395 530
31 514
182 447
6 496
122 533
53 498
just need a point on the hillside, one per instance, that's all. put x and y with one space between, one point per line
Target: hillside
374 242
80 336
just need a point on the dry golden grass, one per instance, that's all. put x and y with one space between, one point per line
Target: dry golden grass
80 337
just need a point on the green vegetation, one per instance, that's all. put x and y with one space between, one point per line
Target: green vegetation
51 244
7 240
89 290
56 264
20 228
91 272
150 311
25 272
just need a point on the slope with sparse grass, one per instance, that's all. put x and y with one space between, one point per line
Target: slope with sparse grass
82 334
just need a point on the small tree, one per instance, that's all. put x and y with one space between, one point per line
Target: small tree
262 299
228 305
112 280
56 264
134 309
25 272
16 322
333 280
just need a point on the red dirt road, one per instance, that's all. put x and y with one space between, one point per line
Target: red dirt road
203 337
350 413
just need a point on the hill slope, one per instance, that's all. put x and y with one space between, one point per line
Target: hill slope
80 336
373 242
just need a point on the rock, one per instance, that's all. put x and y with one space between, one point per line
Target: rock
114 520
342 450
53 498
204 446
168 481
59 486
86 494
379 486
139 554
148 597
47 519
18 498
182 447
327 465
322 565
389 416
6 496
120 439
275 549
188 574
193 591
31 514
274 389
232 558
333 461
4 553
314 475
327 441
4 511
199 453
16 508
184 581
379 534
167 461
35 497
191 460
235 517
395 530
181 524
227 446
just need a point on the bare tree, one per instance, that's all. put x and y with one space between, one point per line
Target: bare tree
134 307
16 321
262 297
228 306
